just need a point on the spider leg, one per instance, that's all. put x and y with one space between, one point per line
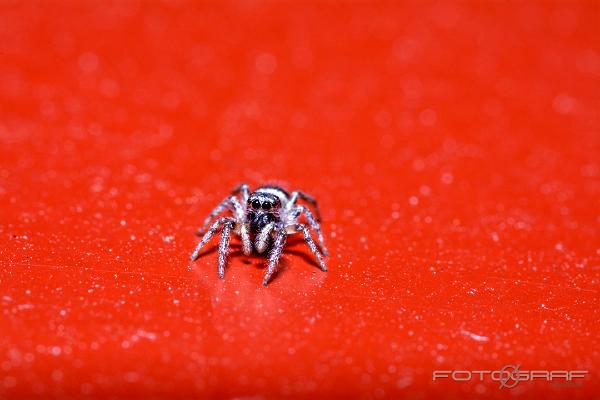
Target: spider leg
275 254
315 226
209 234
231 203
224 246
262 239
244 232
246 242
243 188
306 197
311 244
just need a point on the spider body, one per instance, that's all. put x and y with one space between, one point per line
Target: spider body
263 219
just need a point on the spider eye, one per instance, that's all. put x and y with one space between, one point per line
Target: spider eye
266 206
255 204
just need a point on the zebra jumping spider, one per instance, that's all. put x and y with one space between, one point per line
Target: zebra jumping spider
263 219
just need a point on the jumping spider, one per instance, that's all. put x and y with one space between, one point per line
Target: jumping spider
263 219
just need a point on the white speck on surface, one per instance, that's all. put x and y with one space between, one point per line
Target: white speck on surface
131 377
9 382
404 382
266 63
88 62
418 164
425 190
21 307
168 239
86 388
447 178
478 338
428 117
57 375
146 335
564 104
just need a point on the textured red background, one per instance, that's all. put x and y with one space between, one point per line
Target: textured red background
453 148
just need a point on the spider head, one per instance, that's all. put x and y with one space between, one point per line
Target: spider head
262 209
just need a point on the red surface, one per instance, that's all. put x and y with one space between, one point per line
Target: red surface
453 149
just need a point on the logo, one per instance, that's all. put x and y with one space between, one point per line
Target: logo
509 375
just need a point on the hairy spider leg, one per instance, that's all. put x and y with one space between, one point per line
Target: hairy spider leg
209 234
244 190
262 239
311 244
306 197
314 225
245 236
224 246
275 254
232 203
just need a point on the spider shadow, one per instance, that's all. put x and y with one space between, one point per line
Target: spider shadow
260 261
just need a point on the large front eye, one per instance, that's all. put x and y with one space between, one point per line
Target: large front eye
266 206
255 204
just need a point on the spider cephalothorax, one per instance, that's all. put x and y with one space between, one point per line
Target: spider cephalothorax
263 220
262 209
